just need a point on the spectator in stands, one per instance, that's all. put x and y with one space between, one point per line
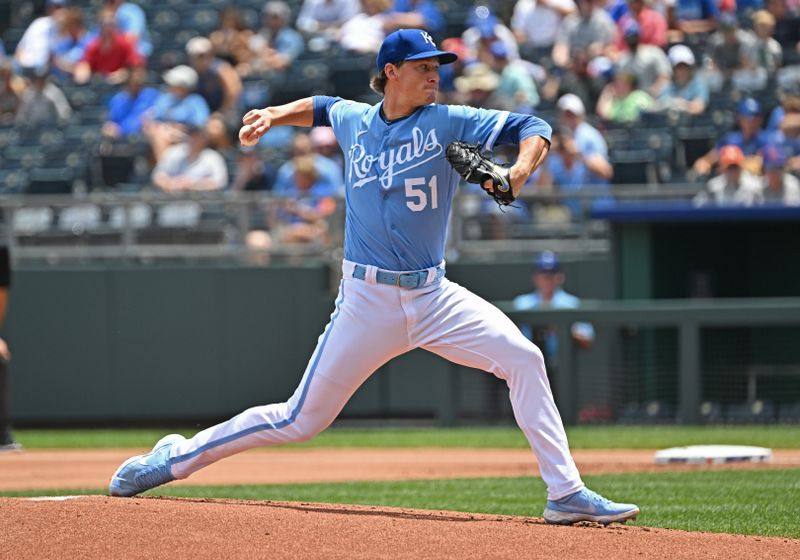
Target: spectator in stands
590 29
688 91
565 172
326 16
478 85
415 14
37 43
780 187
622 101
516 83
127 108
217 81
750 139
579 78
11 88
327 169
165 123
71 46
734 186
231 40
548 281
536 22
276 45
364 32
652 24
253 172
787 25
110 54
324 143
191 165
132 22
308 204
484 30
727 48
647 62
788 138
693 18
590 143
765 52
789 103
42 103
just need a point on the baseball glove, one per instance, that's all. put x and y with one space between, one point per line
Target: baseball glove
474 167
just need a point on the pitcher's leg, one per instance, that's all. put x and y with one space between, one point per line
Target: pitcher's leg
361 336
472 332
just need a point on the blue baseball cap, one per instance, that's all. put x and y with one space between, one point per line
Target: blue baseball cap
547 262
410 44
774 157
632 29
749 107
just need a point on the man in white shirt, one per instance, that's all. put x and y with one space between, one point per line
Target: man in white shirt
537 22
191 166
734 186
38 41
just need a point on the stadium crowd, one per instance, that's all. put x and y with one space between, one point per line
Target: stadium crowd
705 92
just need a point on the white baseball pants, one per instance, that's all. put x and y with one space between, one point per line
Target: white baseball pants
371 324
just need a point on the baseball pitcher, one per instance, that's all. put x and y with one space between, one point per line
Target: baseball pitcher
404 159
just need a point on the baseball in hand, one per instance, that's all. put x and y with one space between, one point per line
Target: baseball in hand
247 136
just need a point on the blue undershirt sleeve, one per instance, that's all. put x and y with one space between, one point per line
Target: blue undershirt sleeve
519 127
322 104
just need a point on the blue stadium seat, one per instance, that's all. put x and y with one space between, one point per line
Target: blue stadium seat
13 181
50 180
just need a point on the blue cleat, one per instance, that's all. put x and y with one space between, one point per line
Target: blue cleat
143 472
586 505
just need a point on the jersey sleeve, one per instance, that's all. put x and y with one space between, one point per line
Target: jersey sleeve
322 105
488 127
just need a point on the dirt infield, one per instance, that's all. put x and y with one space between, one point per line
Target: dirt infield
91 468
116 528
123 528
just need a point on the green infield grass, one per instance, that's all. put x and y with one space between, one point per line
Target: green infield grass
596 437
756 502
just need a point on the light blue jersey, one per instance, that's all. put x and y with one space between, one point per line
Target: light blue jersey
399 186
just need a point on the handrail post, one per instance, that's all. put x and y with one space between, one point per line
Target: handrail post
566 390
690 386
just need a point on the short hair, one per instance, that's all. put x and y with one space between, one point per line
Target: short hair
305 165
378 82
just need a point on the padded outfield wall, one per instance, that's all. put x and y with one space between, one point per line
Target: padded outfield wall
197 343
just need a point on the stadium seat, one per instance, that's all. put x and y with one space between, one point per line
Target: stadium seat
634 166
13 181
711 412
756 412
56 180
139 214
350 75
179 214
25 157
32 219
80 218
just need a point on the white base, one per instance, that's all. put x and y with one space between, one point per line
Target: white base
714 454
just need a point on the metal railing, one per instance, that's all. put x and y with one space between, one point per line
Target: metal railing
148 225
689 317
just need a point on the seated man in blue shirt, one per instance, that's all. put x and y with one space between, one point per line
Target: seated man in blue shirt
548 279
750 137
166 121
127 108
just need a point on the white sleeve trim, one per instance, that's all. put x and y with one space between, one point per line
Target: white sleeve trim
501 122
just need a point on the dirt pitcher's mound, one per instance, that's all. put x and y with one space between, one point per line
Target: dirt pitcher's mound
111 528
